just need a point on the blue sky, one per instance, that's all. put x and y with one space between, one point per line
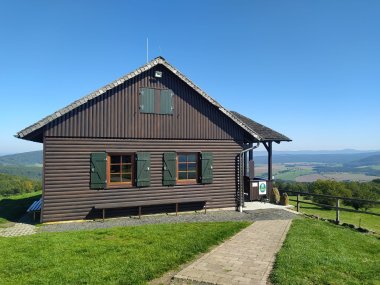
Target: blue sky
309 69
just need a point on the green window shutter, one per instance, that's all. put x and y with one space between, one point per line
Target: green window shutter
98 170
147 100
206 167
142 169
166 102
170 169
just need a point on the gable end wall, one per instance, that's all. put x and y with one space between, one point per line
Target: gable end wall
116 114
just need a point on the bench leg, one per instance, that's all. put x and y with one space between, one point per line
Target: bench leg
139 212
205 207
104 214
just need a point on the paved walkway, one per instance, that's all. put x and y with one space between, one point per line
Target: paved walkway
19 229
247 258
252 206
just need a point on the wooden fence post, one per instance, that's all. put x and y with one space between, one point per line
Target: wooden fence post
337 218
298 202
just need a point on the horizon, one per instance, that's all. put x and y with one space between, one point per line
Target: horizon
303 68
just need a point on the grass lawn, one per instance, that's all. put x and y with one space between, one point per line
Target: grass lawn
128 255
12 208
365 220
317 252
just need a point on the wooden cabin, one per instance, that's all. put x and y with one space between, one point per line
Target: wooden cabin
151 142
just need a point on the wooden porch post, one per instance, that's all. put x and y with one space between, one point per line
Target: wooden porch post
250 157
270 173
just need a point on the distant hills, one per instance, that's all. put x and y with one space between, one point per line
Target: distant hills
27 164
25 158
339 158
366 161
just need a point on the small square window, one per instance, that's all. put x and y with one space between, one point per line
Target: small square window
187 168
120 170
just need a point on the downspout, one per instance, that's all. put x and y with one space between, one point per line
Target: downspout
241 184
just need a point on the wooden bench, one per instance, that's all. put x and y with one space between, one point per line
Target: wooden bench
35 207
138 204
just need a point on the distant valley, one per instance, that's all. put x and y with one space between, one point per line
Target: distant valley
310 167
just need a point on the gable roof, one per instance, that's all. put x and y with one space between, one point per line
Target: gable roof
267 134
159 60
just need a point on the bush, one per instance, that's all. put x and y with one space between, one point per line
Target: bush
328 187
11 184
284 199
275 197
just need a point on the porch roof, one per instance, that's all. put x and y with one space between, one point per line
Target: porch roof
267 134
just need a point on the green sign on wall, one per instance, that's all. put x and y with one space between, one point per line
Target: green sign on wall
262 188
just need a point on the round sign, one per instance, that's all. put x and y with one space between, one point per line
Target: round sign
263 187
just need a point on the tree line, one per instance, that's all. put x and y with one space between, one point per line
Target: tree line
12 184
356 190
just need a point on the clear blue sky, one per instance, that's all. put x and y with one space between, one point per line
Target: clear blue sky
309 69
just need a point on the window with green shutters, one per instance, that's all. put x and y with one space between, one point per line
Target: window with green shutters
156 101
187 168
120 169
115 170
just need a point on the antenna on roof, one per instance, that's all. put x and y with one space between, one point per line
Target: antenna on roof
147 50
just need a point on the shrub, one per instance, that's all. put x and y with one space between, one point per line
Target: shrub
284 199
328 187
275 197
11 184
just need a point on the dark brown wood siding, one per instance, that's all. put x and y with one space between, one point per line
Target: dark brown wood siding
116 114
67 195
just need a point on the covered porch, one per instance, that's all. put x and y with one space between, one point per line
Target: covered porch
251 187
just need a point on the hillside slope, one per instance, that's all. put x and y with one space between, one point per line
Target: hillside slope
25 158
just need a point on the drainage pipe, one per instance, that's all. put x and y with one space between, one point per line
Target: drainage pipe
241 182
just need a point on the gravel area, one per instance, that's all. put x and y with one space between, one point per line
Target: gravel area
211 216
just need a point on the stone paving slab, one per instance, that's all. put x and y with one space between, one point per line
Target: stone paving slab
246 258
19 229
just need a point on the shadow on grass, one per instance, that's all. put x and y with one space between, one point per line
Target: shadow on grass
12 209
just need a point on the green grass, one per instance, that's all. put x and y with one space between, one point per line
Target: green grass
12 208
317 252
128 255
366 221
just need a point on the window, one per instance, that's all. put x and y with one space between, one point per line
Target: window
120 169
187 167
156 101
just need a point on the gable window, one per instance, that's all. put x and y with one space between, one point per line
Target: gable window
187 167
120 169
156 101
